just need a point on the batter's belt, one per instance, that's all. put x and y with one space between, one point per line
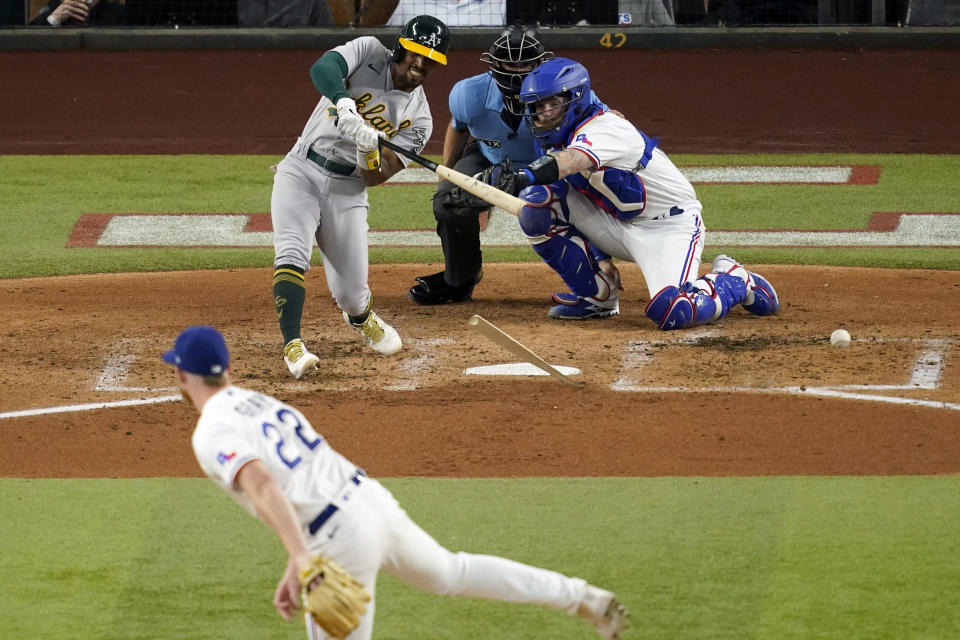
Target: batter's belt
329 164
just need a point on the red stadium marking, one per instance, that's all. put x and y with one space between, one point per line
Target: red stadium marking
258 222
865 174
890 220
90 231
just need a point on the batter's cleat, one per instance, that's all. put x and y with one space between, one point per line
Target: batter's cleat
602 609
381 337
433 289
762 299
298 359
573 307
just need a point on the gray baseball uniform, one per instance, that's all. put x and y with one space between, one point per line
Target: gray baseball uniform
320 193
329 202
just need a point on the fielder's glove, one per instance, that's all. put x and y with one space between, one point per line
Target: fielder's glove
334 599
504 177
348 120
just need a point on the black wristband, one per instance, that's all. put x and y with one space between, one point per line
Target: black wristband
544 170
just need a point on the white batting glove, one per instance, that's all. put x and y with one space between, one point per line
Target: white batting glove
368 148
348 120
367 139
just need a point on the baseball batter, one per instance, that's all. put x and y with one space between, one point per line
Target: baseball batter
607 189
266 455
320 188
486 128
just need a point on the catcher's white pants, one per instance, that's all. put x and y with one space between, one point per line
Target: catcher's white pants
372 532
667 250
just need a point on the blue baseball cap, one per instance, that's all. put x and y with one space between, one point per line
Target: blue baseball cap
201 350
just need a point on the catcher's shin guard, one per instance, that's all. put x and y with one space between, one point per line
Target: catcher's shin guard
569 255
702 301
765 301
560 245
761 299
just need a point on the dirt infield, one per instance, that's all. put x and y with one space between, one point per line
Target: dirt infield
749 396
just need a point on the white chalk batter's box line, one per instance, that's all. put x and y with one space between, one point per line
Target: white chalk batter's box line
925 375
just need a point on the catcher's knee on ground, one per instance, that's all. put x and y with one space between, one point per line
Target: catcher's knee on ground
702 301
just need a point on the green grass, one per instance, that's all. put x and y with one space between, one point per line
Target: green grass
694 558
774 558
44 196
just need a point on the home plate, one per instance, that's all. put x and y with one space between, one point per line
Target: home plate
517 369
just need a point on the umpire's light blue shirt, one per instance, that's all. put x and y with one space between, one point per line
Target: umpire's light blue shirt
476 103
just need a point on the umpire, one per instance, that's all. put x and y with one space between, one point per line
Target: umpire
486 128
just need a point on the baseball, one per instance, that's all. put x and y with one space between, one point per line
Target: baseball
840 338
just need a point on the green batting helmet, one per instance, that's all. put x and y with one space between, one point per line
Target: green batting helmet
425 35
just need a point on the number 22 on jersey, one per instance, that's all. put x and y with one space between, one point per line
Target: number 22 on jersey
288 451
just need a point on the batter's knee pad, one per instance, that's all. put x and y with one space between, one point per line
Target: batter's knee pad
702 301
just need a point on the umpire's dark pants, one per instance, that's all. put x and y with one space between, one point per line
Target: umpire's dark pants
459 230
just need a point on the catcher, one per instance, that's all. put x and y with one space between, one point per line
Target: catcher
339 526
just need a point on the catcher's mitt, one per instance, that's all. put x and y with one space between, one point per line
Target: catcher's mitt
504 177
337 601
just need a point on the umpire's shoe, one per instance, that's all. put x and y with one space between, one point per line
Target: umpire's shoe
433 289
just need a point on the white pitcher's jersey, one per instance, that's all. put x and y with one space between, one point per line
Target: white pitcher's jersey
238 425
632 178
404 117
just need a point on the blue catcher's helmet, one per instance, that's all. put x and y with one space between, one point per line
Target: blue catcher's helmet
569 82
